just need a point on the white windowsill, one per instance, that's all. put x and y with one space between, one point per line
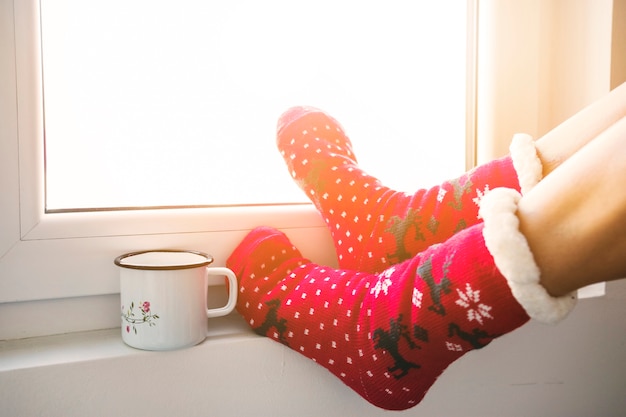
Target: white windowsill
100 345
234 372
107 343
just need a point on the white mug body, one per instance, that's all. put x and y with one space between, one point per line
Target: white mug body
163 298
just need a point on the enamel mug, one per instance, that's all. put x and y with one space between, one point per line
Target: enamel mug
164 298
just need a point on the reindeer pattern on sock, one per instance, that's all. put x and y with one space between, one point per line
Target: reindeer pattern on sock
457 204
273 321
474 338
425 272
389 340
400 228
460 189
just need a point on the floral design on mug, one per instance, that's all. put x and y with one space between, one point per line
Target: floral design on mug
133 320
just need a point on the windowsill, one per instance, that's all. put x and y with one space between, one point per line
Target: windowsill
108 344
235 372
100 345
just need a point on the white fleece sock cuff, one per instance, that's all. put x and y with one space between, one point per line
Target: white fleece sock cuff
514 259
525 161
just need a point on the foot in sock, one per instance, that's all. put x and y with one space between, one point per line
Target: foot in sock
388 336
373 226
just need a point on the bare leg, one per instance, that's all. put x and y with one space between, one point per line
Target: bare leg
570 136
575 219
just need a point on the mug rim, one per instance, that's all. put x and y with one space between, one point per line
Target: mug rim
207 261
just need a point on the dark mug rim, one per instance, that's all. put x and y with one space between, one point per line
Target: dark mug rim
119 260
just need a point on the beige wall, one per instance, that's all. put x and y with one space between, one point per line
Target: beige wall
549 60
618 44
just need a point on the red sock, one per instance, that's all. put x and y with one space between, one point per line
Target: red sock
372 226
389 336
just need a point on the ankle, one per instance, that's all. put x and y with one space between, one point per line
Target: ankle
520 261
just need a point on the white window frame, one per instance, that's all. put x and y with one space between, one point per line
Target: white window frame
69 256
47 256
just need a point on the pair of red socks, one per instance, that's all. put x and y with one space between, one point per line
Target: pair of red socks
422 278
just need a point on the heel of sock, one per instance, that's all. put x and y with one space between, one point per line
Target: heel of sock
514 259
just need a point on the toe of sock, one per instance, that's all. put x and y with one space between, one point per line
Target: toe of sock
263 246
247 251
292 115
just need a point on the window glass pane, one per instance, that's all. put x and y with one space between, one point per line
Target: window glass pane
168 103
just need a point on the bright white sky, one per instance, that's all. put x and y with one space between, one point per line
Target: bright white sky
153 102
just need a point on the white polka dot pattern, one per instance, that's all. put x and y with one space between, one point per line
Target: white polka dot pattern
389 335
373 226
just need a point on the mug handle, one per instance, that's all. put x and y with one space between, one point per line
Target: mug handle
232 292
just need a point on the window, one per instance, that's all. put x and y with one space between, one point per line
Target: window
66 256
162 105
